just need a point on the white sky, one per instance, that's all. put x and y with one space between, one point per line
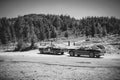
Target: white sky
74 8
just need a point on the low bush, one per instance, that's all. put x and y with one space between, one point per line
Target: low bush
22 46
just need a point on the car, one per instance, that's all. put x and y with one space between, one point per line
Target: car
52 49
93 51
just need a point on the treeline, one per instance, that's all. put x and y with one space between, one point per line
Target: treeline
38 27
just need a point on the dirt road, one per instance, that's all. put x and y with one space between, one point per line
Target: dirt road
34 66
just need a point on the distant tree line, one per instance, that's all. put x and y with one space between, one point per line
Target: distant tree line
38 27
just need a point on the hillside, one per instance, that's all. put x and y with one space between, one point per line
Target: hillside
38 27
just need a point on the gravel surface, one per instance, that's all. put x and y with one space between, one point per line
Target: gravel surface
31 65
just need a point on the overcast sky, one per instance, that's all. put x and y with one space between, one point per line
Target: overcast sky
74 8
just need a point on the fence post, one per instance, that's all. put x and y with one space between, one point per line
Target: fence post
68 43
